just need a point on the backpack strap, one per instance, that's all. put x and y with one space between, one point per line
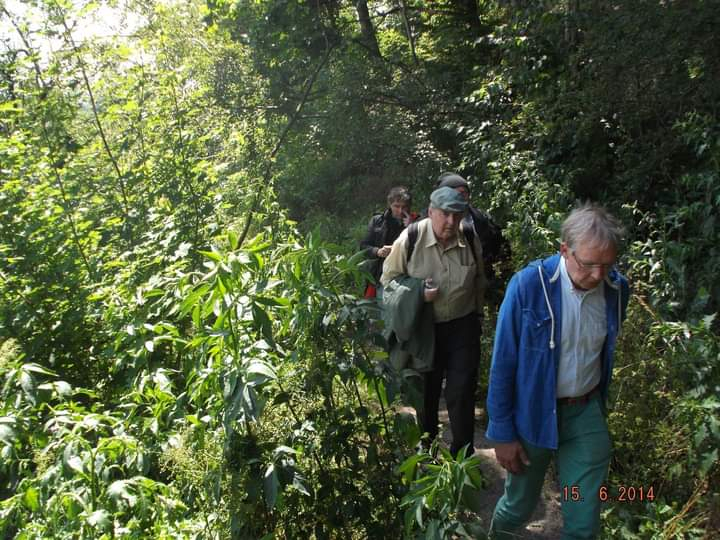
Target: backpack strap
412 239
469 233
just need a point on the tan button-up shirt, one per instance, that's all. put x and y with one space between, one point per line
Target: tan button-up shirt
460 280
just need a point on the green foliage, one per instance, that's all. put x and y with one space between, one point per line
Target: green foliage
46 266
442 491
70 470
179 362
246 397
668 439
278 366
682 271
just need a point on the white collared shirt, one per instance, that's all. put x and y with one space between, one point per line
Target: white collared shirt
583 333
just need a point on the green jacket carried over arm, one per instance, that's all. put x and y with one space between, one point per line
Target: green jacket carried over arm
409 324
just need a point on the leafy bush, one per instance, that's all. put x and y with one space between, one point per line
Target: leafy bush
441 495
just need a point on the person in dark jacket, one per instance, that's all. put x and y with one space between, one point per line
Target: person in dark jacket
383 229
496 249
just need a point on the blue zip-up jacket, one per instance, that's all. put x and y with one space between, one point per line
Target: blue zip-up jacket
522 399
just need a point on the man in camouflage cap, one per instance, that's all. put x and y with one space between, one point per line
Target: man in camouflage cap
496 249
454 284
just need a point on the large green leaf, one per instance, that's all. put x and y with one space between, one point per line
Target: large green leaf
31 499
271 486
7 434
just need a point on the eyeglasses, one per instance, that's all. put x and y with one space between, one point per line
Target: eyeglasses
592 266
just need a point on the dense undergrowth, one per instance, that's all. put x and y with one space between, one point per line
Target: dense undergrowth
180 359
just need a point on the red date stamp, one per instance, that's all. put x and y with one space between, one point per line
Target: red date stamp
571 493
626 494
622 494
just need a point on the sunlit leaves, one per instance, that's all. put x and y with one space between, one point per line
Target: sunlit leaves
31 499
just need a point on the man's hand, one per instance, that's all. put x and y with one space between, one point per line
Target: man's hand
511 456
430 290
384 251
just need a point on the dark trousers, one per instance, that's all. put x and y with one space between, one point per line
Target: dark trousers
457 356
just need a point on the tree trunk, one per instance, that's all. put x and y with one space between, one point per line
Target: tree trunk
470 16
366 27
408 30
571 9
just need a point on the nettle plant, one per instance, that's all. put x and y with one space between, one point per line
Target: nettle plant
256 382
443 491
70 470
248 398
286 372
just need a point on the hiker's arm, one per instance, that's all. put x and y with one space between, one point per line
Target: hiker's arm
396 263
369 242
501 387
480 279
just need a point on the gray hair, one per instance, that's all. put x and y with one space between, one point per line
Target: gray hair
399 194
592 223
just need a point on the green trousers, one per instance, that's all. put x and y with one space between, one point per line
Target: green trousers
582 458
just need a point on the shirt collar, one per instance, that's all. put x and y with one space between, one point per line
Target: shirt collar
567 283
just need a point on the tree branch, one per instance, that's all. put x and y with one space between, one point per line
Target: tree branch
268 169
66 206
38 72
98 124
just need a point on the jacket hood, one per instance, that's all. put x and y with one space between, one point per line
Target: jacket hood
549 269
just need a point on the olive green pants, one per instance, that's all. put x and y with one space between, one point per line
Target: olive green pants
582 459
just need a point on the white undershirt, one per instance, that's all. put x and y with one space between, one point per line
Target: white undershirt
583 333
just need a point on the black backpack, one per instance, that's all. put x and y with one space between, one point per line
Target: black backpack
412 230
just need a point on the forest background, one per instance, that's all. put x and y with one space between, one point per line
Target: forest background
184 353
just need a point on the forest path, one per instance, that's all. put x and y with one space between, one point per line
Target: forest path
546 521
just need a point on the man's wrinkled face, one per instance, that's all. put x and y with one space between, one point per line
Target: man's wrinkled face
588 263
445 224
398 209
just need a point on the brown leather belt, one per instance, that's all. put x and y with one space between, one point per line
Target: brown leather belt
579 400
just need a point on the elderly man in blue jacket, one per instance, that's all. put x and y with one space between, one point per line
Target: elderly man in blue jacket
551 368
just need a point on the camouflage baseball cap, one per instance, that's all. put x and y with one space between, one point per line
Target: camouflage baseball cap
446 198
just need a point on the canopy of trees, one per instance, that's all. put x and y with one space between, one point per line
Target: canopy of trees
182 349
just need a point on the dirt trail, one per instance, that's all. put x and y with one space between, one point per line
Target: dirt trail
546 522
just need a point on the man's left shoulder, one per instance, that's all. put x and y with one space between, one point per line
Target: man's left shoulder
617 279
483 220
537 273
